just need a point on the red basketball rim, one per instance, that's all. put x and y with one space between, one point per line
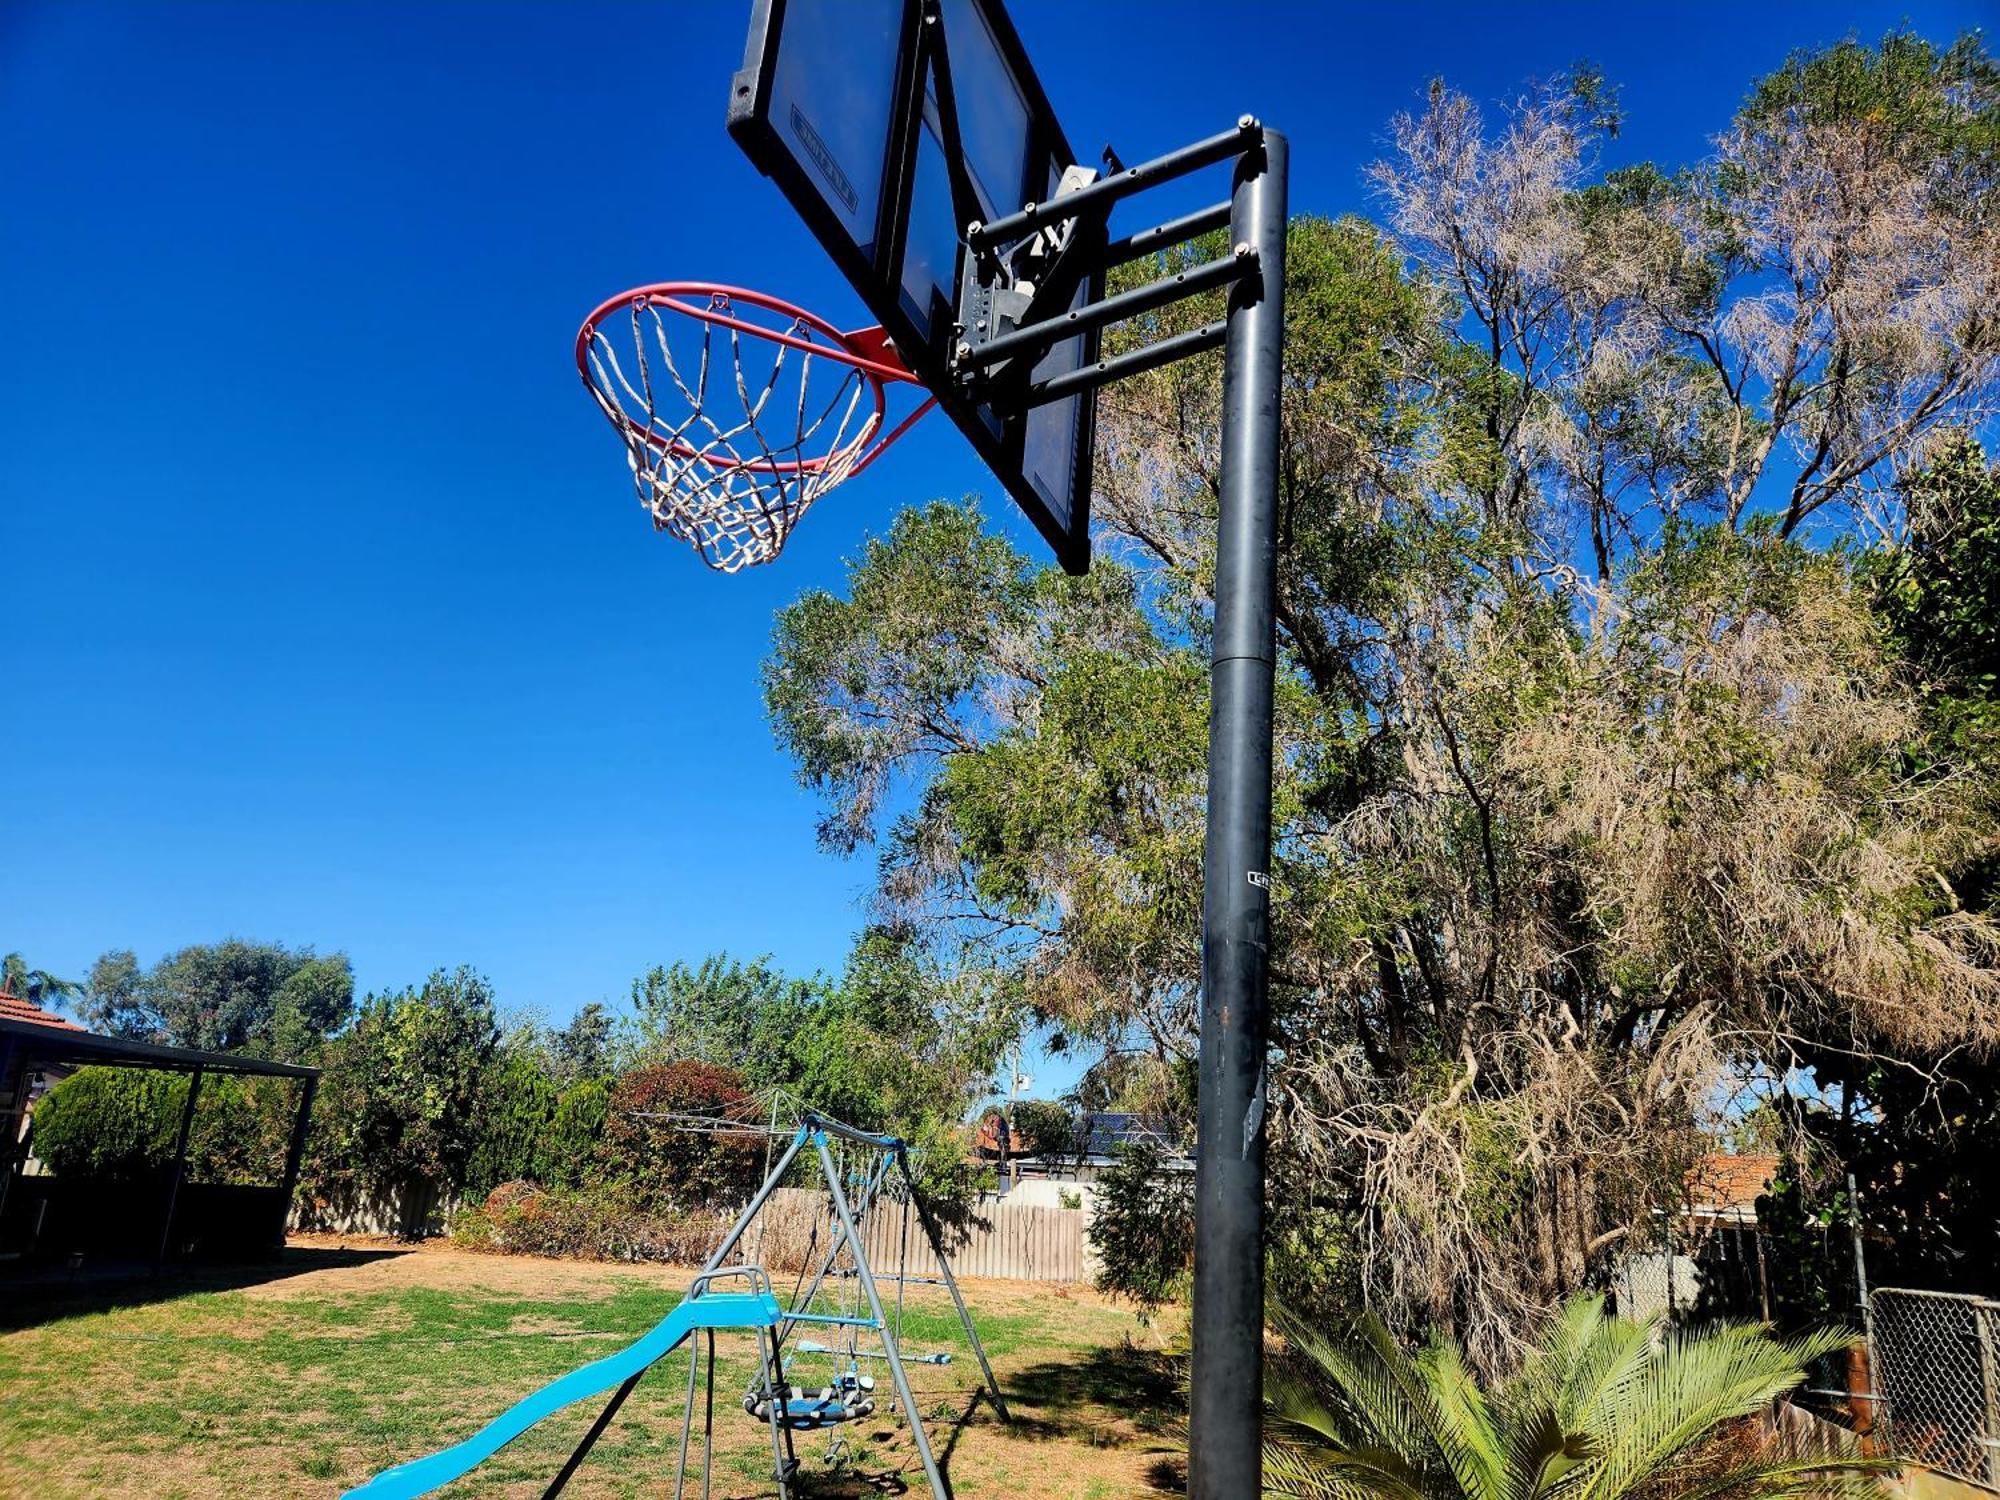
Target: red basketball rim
843 348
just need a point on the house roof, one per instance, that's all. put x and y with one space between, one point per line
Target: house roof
1106 1131
14 1008
1729 1185
1100 1135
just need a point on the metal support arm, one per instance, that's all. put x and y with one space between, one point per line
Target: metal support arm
1164 236
1038 337
1135 362
1109 190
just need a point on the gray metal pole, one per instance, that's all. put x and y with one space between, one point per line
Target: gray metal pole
861 1207
1225 1410
911 1415
934 1234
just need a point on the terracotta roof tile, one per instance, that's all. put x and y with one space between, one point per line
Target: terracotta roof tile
14 1008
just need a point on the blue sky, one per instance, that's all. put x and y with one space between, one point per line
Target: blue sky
327 614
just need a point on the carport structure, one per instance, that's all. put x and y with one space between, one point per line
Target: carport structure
35 1044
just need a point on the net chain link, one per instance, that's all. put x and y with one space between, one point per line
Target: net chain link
1937 1372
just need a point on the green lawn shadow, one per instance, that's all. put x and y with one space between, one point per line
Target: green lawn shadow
34 1295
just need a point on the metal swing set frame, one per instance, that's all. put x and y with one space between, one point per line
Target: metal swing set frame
890 1172
756 1309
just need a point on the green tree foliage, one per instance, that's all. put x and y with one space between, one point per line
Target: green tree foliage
585 1047
1595 802
531 1126
1143 1227
1600 1407
663 1163
896 1044
109 1124
314 1001
570 1144
1938 591
517 1105
224 997
242 1129
892 1045
112 1000
36 986
1047 1129
400 1101
747 1016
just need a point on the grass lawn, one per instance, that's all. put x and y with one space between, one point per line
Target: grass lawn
307 1376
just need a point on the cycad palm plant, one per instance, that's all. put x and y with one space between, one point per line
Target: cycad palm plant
1602 1409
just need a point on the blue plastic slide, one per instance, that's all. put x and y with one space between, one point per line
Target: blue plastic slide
712 1310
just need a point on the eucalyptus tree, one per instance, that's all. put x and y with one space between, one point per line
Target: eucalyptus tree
1596 801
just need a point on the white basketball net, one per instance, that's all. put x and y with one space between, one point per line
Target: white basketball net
729 448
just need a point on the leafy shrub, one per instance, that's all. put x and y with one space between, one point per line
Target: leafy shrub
109 1124
242 1129
530 1131
664 1166
569 1147
602 1222
517 1105
399 1104
1143 1230
120 1125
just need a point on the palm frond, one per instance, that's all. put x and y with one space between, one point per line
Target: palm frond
1303 1472
1604 1408
1377 1393
1696 1380
1462 1424
1798 1479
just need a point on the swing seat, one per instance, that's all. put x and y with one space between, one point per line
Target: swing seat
847 1400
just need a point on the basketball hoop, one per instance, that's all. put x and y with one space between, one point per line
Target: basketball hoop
731 442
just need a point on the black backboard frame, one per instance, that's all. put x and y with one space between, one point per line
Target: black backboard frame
878 279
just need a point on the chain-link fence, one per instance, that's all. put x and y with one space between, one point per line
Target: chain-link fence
1936 1359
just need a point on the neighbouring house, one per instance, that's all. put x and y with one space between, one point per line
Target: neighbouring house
42 1214
1067 1180
1712 1261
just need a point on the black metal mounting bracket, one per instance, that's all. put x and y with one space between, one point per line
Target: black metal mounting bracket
1018 290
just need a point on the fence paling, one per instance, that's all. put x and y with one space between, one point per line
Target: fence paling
1022 1242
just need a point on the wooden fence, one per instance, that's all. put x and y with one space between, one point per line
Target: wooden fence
1019 1241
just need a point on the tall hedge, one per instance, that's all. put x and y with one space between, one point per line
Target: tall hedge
517 1106
400 1103
120 1125
570 1147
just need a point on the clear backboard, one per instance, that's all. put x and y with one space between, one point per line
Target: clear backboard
890 125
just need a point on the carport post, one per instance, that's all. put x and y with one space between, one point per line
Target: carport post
294 1155
10 1123
180 1167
